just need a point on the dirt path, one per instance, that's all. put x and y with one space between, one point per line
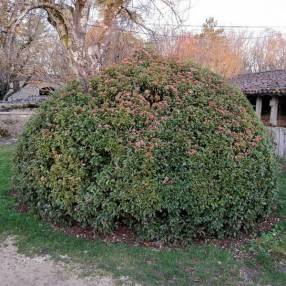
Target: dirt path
20 270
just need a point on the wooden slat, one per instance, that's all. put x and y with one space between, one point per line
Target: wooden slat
279 138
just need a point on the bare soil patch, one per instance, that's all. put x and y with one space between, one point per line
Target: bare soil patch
19 270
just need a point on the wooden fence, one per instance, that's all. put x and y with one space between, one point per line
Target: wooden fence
279 138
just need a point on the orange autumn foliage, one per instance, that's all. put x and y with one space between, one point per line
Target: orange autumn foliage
212 49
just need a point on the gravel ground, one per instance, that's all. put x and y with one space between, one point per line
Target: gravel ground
20 270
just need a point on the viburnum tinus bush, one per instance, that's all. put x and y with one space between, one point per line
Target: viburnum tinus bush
170 150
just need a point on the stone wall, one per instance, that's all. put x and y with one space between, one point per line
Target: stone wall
13 121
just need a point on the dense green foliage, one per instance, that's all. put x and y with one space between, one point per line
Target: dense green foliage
260 261
170 150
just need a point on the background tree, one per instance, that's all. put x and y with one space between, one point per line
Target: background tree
119 44
267 52
212 48
19 53
225 52
71 20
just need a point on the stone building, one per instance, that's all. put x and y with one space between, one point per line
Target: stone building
266 91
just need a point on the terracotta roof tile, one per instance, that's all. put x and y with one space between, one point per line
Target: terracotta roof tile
270 82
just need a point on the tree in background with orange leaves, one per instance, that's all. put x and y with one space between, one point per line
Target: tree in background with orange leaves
212 49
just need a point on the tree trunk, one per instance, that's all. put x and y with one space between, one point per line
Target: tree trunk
71 24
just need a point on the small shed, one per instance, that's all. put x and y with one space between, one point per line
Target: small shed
266 91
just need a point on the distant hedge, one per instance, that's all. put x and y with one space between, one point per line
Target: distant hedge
169 150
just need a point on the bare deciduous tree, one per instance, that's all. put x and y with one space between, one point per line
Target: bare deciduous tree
71 21
119 45
267 52
20 52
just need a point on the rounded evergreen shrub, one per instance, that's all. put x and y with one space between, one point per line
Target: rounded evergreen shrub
170 150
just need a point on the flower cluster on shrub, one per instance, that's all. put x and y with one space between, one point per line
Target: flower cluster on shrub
169 150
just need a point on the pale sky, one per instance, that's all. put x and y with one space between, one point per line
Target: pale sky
239 12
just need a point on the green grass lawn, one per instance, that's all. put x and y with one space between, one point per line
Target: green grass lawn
261 261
